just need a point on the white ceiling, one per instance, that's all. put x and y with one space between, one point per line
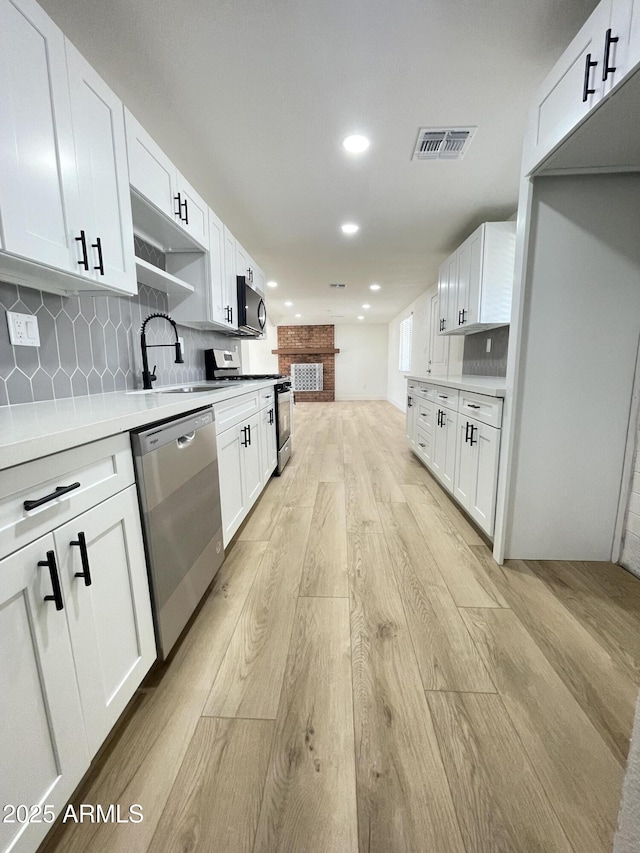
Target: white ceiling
251 99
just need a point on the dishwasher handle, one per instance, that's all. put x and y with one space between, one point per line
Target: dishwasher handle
185 440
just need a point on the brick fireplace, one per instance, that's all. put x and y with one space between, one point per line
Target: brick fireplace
309 345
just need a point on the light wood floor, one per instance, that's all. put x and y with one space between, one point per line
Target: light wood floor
364 677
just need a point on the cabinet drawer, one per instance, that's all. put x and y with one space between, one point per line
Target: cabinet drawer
447 397
487 410
233 411
267 397
424 415
424 445
101 468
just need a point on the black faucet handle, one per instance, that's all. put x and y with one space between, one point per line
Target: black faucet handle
179 358
152 375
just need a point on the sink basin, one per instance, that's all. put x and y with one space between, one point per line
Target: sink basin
185 389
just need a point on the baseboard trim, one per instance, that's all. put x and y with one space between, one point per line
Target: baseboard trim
399 404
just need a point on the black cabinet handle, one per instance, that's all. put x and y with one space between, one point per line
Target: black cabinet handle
183 206
59 491
409 403
244 441
588 65
270 416
85 255
178 212
55 580
608 41
98 245
249 431
471 441
81 543
421 444
466 432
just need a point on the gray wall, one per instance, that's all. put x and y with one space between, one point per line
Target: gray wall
476 361
90 345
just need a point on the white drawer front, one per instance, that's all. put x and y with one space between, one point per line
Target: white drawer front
267 397
233 411
447 397
488 410
101 468
425 415
424 445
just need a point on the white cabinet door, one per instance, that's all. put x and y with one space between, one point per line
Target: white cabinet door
465 471
232 498
444 446
451 321
412 408
38 185
469 279
103 177
230 289
443 295
242 262
486 448
624 54
194 216
268 447
104 580
43 749
438 344
151 173
251 465
257 277
571 90
217 302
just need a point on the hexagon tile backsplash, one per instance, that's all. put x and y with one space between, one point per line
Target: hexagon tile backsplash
91 344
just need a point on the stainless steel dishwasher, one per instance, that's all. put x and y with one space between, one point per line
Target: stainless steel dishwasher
177 473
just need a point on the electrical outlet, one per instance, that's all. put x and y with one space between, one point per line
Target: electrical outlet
23 329
488 344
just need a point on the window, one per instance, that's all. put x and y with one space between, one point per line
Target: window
406 336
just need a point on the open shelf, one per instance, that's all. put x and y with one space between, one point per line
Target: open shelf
152 276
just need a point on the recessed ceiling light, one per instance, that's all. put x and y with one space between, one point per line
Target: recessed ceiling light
374 287
360 316
288 304
298 315
350 228
272 284
355 144
366 305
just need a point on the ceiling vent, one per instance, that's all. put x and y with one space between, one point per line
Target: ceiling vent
338 286
443 143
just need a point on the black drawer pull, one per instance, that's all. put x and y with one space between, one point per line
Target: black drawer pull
50 562
586 91
473 406
606 68
85 256
81 543
59 491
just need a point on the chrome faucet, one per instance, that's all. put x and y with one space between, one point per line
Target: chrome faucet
149 377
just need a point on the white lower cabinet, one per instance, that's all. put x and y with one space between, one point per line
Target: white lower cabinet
247 454
43 744
444 446
462 451
75 623
104 582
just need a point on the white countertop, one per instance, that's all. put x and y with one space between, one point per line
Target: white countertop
31 430
492 386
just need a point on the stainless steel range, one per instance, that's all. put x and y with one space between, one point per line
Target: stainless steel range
225 365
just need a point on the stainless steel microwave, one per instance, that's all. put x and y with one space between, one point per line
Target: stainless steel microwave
252 312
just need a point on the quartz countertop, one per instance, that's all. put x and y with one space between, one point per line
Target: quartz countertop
31 430
492 386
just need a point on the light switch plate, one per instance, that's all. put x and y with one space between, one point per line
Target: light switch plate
23 329
488 344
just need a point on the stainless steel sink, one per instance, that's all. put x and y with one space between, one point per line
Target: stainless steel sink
185 389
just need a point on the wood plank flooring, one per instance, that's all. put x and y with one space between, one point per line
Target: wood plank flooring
364 677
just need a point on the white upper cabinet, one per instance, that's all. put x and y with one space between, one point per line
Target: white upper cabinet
194 212
230 285
151 173
101 160
477 280
155 179
587 71
64 199
38 182
623 41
